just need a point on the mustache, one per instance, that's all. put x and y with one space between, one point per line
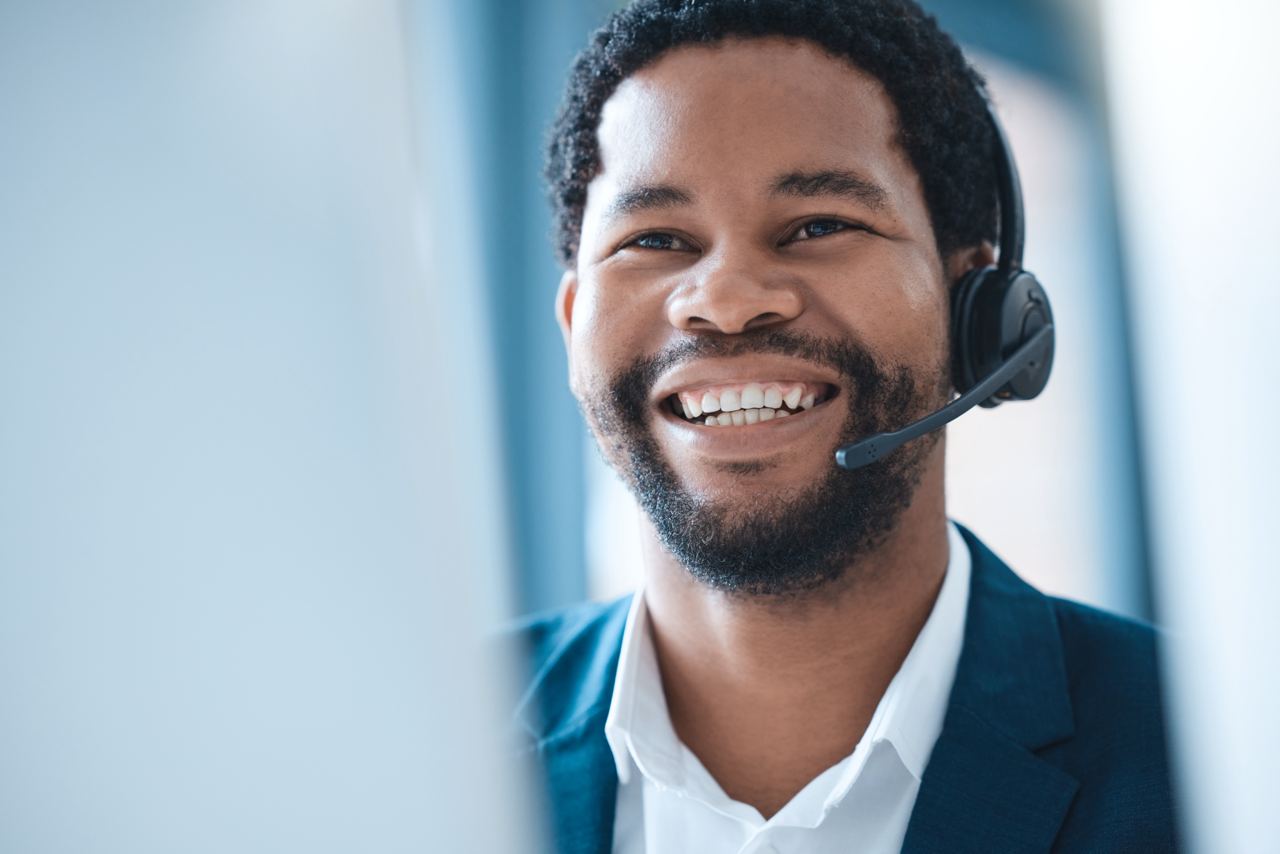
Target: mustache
629 391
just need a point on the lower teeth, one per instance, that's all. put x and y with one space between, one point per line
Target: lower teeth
741 417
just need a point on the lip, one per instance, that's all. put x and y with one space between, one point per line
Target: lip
750 441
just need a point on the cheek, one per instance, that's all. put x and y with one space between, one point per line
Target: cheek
603 337
900 310
617 321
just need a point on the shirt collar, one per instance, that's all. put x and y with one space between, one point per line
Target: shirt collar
909 715
915 702
638 727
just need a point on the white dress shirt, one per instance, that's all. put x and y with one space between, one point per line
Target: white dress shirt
668 802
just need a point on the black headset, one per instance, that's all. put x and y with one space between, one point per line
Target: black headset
1002 337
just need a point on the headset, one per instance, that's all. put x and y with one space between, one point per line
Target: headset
1002 337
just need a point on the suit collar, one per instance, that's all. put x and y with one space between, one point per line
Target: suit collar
582 784
985 789
1011 672
561 722
574 681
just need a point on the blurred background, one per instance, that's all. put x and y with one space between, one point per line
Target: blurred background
285 426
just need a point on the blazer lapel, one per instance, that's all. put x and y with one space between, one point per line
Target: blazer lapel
985 789
983 793
561 724
582 783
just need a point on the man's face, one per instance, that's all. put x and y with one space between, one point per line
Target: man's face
755 236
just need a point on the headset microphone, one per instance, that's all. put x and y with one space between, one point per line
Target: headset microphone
873 448
1002 336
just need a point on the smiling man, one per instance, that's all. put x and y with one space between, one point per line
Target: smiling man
764 209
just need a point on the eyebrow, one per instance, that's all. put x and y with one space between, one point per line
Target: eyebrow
826 182
646 198
832 182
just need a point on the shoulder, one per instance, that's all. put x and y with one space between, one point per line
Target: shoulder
1081 689
1112 667
1119 751
1107 652
1104 659
566 660
547 636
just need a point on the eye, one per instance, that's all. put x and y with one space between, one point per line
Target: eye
659 240
816 228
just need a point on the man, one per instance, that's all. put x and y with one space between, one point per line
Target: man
763 209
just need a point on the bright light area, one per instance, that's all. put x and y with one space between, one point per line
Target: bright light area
1197 129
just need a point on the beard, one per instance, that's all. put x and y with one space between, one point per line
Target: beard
775 544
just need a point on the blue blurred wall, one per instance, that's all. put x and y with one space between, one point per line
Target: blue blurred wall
516 54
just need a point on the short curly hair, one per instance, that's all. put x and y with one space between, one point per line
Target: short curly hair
940 99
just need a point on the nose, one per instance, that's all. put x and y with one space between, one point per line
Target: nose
734 295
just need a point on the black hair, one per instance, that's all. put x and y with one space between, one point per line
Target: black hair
940 100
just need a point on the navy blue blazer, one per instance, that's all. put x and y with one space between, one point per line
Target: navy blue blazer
1053 738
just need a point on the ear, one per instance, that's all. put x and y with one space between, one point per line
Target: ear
974 257
565 296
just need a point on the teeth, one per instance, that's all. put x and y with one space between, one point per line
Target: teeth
752 397
743 417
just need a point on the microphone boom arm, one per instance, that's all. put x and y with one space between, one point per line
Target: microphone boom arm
872 448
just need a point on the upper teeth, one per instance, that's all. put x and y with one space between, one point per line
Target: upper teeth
746 404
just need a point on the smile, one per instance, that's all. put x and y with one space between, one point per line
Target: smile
742 404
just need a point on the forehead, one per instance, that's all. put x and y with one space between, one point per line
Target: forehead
733 115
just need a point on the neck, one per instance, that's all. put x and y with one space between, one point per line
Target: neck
769 693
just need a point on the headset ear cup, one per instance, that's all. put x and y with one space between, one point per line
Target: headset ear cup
965 370
1023 311
992 315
